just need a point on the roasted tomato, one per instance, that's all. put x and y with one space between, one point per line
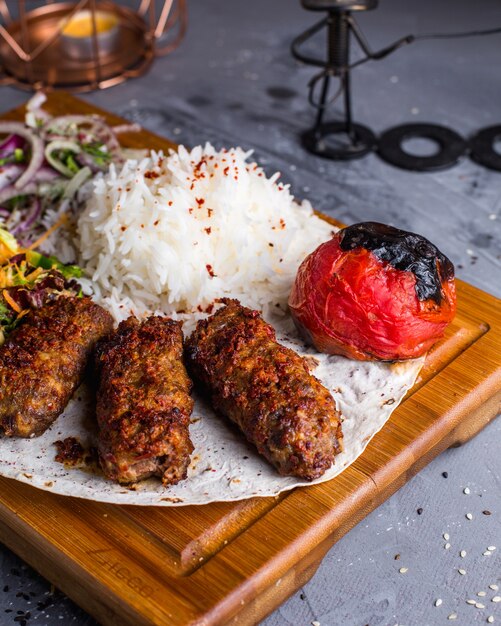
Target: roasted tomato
374 292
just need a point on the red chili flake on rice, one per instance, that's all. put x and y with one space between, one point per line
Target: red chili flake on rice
153 202
198 168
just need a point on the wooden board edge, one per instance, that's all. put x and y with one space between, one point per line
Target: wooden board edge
273 595
71 579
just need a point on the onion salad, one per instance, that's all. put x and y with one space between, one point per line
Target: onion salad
28 280
45 164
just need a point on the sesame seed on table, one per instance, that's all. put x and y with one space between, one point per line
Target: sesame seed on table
233 81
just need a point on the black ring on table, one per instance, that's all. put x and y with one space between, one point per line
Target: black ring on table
451 147
482 147
363 141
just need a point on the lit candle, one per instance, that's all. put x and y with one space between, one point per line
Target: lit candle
78 31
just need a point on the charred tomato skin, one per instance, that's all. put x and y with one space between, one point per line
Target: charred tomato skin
350 302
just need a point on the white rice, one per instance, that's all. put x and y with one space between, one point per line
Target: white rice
173 233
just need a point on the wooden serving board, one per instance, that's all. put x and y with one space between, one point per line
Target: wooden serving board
233 563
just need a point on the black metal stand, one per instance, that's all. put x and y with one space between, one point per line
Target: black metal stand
352 140
343 140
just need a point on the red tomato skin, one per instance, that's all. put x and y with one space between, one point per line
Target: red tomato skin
352 303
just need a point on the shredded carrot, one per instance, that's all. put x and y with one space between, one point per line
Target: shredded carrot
4 278
34 274
11 302
55 226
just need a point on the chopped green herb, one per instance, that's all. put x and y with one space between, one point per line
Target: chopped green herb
50 262
71 164
101 157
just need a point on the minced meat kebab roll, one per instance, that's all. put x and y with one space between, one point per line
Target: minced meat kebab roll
143 402
43 361
266 389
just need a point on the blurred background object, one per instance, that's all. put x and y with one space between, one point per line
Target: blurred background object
351 140
85 45
344 139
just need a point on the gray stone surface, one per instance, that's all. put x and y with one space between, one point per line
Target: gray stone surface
233 81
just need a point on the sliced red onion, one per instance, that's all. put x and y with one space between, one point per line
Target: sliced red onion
32 214
5 213
76 182
60 144
13 142
35 102
60 127
34 113
12 192
108 137
10 173
127 128
97 127
56 137
87 160
45 174
16 128
63 121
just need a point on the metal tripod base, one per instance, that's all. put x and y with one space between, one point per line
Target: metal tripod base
358 143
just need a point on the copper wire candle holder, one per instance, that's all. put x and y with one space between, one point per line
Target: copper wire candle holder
36 54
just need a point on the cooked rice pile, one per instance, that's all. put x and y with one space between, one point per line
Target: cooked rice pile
173 233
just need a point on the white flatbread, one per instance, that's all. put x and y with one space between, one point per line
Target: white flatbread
224 467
